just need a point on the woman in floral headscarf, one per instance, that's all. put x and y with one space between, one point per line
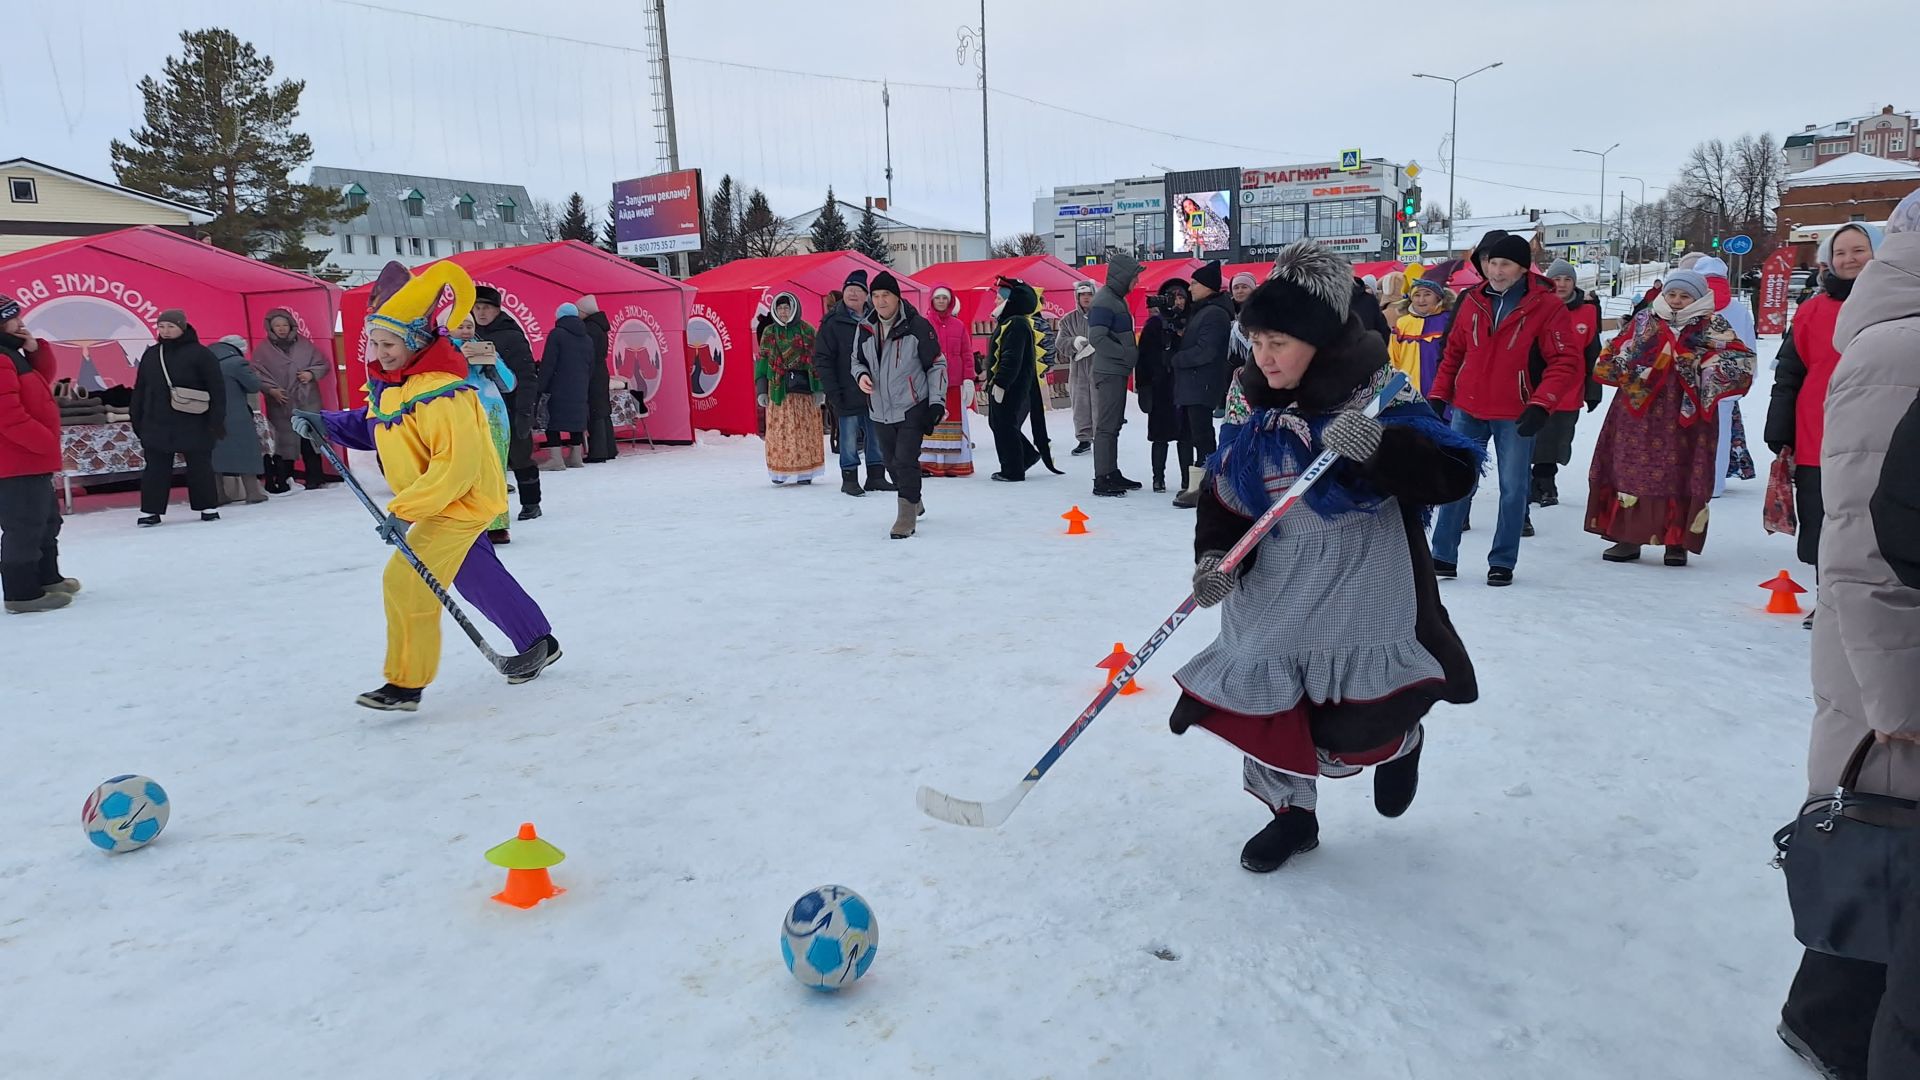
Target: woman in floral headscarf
789 389
1653 468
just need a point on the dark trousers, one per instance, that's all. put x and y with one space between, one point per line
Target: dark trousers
1809 507
312 468
900 448
566 438
1197 422
156 481
1185 459
29 536
1109 415
1004 419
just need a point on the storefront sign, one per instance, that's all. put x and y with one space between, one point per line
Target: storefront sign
1321 192
1153 204
1352 245
1075 210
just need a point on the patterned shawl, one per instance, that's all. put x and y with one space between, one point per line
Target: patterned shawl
1702 350
783 349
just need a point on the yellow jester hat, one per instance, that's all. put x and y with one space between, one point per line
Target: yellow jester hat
404 303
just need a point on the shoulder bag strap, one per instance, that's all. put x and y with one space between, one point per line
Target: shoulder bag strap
1850 779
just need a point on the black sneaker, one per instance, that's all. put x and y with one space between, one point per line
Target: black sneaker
553 657
1500 576
1082 449
390 698
1130 485
210 515
1445 570
1292 831
528 513
1395 782
149 521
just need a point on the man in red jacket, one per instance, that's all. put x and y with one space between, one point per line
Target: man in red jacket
29 456
1510 362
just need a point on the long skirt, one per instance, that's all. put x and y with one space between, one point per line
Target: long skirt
948 451
500 429
794 448
1651 479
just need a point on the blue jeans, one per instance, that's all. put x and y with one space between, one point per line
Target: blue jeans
851 428
1513 463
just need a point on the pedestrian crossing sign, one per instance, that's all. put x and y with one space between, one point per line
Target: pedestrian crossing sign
1573 253
1410 246
1350 160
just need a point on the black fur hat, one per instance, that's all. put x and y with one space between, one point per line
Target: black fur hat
1307 295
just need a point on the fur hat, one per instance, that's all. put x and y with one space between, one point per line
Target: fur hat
486 294
884 281
589 304
1562 268
1513 249
1209 275
1306 296
856 279
173 315
1691 282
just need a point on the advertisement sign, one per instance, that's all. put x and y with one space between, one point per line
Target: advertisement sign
658 215
1203 221
1314 183
1152 204
1353 245
1076 210
1776 280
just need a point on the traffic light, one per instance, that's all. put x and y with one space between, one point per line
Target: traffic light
1716 243
1411 208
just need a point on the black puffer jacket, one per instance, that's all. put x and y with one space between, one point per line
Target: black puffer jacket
1202 364
833 361
563 374
191 366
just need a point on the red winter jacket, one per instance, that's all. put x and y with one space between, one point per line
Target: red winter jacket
29 420
1494 373
1797 415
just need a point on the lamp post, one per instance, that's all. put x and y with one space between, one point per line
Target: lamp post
1623 223
1602 155
1453 139
975 39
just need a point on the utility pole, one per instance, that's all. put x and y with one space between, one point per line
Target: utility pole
976 38
886 107
1453 141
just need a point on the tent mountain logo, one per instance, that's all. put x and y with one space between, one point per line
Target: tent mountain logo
707 348
637 351
95 342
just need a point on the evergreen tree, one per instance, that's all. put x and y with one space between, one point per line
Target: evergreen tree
723 226
574 222
830 228
763 233
218 133
609 235
868 240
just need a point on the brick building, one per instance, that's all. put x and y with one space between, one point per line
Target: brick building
1854 187
1885 134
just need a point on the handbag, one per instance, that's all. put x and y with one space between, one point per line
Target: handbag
184 399
1776 512
798 381
1850 864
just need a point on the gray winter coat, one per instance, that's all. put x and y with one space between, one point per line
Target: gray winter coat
1866 634
907 369
1110 323
238 452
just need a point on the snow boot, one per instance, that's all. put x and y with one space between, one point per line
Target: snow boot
66 585
1500 576
276 482
1292 831
1622 553
1395 782
850 483
1107 487
529 513
1806 1053
1676 556
1526 525
390 698
553 657
571 456
1130 485
1160 483
1082 449
48 601
1549 492
877 479
550 459
1445 571
904 516
1536 491
1189 497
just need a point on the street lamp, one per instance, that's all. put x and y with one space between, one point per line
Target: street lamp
1453 140
1602 155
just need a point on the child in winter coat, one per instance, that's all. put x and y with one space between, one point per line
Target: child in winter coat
1333 642
426 420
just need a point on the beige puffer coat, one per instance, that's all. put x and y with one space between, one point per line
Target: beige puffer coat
1866 635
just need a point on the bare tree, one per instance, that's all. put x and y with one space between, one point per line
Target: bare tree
546 216
1433 219
1462 209
1757 182
1020 245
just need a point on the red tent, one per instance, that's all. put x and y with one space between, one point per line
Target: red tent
1152 275
647 311
973 284
94 299
732 298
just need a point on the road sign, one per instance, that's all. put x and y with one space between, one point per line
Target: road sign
1679 247
1409 246
1573 253
1350 160
1737 245
1413 170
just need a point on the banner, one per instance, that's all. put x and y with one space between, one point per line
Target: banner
1776 280
657 215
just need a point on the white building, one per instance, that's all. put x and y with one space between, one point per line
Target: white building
1083 221
1566 236
417 219
913 246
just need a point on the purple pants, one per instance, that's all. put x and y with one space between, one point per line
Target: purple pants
486 584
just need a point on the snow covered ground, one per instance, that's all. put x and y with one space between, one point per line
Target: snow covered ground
756 680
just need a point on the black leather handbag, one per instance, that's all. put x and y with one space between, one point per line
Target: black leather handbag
799 381
1850 864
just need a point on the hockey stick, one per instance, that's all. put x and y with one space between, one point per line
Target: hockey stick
991 815
525 663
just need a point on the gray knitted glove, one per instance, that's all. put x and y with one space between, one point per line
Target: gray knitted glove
1210 585
1353 435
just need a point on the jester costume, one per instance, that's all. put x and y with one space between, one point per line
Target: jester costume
429 426
783 374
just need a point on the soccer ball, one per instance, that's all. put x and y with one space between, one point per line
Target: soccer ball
829 938
124 813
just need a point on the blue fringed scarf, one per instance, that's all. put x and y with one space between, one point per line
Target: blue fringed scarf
1275 446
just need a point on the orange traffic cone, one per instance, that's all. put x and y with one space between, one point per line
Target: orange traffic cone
1117 660
1785 599
1076 522
526 858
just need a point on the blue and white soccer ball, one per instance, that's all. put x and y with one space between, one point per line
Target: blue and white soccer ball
829 938
124 813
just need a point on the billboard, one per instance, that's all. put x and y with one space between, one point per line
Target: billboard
659 214
1203 222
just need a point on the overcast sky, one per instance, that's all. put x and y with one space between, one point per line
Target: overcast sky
1253 85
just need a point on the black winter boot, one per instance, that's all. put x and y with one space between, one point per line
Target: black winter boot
850 483
1395 782
1292 831
877 479
1109 487
390 698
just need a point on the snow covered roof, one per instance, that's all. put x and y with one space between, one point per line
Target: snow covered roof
1853 169
804 222
386 210
1468 231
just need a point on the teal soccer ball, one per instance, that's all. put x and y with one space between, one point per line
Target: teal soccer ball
124 813
829 938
